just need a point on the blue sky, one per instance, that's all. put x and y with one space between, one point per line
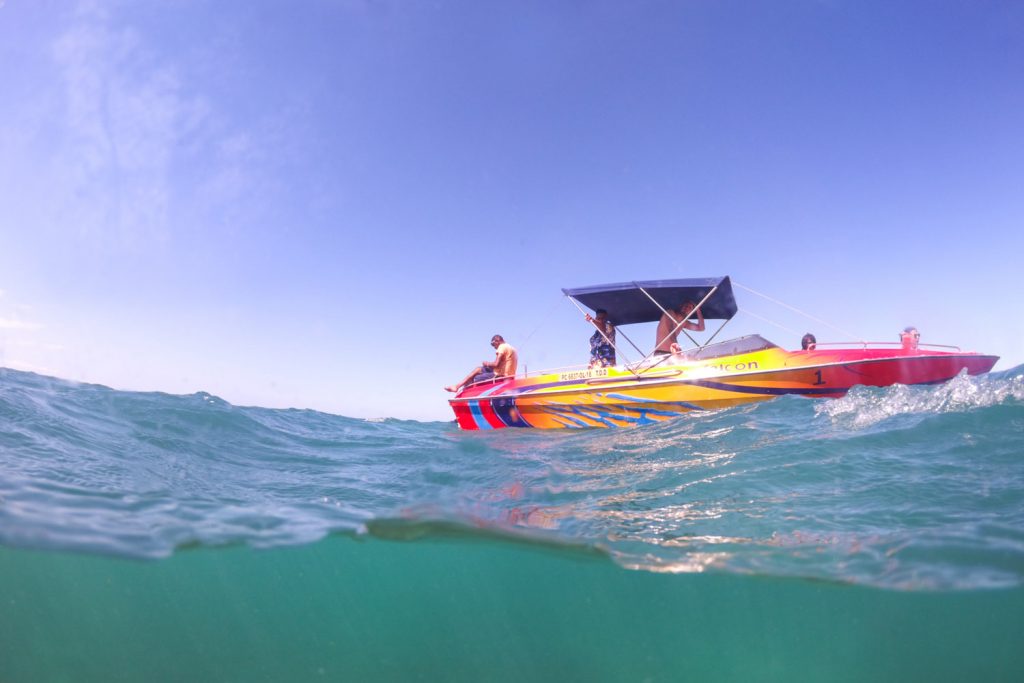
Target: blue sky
334 204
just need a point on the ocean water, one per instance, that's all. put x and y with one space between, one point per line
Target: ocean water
151 537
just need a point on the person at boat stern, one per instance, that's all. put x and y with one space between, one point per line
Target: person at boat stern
602 342
910 338
670 324
504 365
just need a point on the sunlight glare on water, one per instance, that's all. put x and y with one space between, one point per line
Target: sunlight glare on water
901 487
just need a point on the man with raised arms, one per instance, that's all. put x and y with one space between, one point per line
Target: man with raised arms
670 324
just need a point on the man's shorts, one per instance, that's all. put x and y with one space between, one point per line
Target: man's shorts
482 376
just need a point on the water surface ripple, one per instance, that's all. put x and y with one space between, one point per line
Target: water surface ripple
904 488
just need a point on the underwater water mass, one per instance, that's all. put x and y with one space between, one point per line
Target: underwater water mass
145 536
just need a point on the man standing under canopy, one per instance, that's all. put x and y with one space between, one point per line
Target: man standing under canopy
670 324
602 343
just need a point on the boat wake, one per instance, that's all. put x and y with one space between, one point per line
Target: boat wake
864 407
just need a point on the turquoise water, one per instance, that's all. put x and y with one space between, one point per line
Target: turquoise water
158 537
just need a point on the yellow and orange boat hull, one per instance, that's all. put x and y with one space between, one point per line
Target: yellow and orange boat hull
620 397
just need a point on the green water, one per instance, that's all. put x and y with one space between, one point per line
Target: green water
350 610
149 537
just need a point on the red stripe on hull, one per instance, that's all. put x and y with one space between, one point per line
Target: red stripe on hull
913 370
463 416
488 412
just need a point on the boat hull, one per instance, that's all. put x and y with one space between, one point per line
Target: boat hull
620 397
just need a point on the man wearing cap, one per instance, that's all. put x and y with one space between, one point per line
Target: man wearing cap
503 365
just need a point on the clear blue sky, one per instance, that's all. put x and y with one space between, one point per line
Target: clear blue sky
334 204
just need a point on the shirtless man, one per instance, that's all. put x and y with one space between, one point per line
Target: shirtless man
669 326
503 365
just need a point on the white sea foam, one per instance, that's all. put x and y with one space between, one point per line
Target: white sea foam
866 406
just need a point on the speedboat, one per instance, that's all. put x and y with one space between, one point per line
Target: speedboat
709 376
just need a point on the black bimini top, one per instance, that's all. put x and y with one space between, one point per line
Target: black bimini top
626 302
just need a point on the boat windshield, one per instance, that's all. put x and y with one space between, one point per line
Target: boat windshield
748 344
752 342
